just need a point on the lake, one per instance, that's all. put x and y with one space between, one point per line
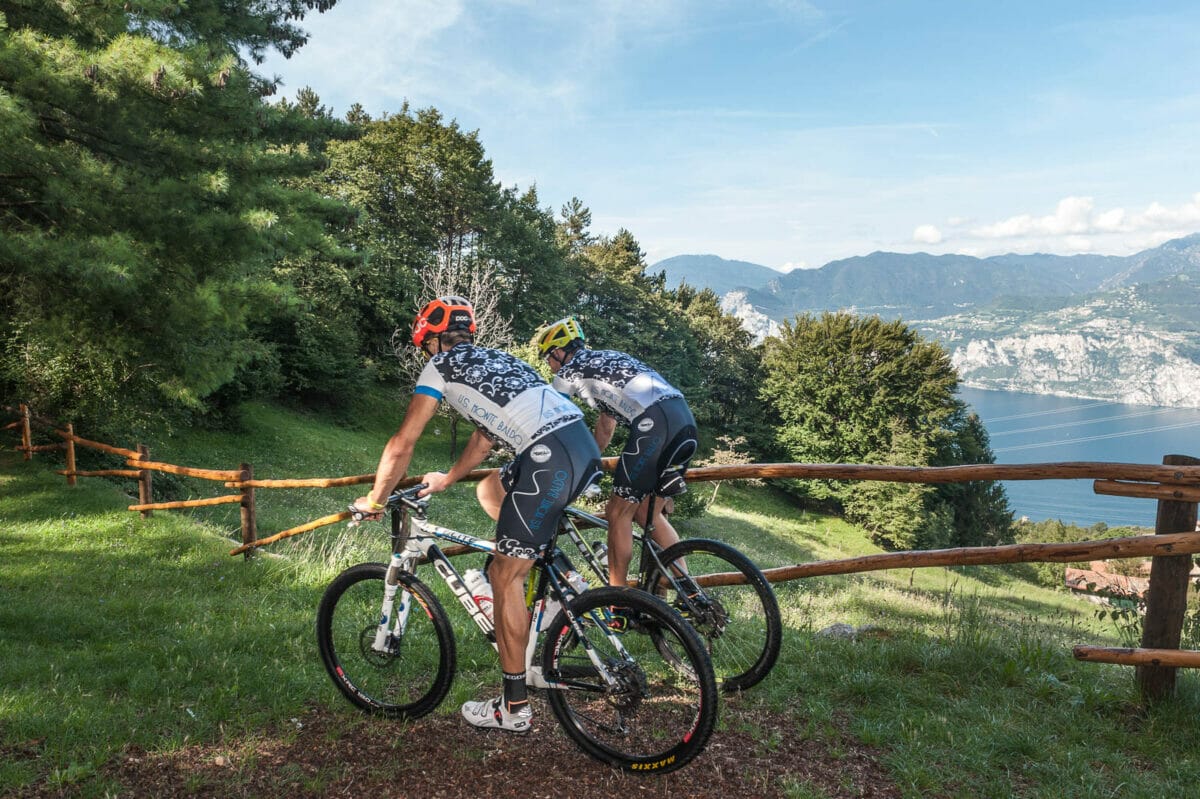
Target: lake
1035 428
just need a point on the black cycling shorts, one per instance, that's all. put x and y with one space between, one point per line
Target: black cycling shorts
661 443
539 483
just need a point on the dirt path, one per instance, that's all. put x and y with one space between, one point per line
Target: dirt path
324 754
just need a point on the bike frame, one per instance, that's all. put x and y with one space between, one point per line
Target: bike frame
410 546
651 550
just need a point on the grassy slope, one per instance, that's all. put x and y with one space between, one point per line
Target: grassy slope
117 631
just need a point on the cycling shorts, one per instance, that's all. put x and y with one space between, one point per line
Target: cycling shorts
541 481
661 443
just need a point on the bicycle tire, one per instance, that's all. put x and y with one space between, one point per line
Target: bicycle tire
740 624
410 681
661 714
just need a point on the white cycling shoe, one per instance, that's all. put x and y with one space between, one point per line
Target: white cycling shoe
490 714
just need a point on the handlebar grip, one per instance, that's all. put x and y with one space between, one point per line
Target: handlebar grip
357 515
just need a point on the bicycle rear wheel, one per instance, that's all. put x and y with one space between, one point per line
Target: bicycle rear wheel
739 622
412 677
657 714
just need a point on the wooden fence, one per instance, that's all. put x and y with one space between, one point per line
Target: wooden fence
1175 485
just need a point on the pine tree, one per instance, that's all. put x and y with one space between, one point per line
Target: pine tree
142 197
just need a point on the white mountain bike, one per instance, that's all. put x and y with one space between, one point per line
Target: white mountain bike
387 643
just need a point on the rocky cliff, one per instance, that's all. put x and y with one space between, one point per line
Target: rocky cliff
1125 329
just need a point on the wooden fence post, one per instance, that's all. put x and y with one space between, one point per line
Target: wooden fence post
70 456
26 433
1166 601
249 531
145 481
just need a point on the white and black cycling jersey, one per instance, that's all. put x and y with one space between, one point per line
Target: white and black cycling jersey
502 395
616 383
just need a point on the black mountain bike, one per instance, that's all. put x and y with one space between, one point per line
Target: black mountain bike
644 700
716 588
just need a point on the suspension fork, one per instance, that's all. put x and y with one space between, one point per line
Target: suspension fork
389 612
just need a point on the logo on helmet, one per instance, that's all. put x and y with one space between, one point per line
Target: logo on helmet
441 315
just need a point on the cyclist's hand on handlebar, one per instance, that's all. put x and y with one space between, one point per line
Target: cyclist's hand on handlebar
364 510
435 482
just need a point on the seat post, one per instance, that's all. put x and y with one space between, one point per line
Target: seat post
648 527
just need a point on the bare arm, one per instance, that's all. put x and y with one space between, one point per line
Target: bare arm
477 448
398 452
605 425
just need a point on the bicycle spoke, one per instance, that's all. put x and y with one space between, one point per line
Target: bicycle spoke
413 671
740 623
644 711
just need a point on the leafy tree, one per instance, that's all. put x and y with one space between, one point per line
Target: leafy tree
540 280
682 333
428 205
422 190
142 197
848 389
619 257
981 514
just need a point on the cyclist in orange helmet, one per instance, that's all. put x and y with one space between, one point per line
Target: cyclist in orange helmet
555 459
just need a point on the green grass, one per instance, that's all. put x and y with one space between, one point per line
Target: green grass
121 631
117 631
968 684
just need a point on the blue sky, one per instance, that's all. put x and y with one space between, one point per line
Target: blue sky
791 133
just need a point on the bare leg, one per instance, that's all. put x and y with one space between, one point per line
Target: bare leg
664 532
490 494
507 575
620 539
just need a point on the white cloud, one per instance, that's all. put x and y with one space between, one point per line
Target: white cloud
1073 215
1075 226
1077 216
1080 243
1113 220
927 234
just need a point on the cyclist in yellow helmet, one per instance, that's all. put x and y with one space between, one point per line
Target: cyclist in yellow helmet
662 431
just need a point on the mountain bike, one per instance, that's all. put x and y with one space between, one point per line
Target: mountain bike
716 588
388 645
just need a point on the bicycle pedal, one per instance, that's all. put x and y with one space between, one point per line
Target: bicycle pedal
623 621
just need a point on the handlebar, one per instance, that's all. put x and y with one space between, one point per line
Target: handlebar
407 498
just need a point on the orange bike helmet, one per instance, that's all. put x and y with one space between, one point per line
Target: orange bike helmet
441 315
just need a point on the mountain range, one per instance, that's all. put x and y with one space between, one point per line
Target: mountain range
1123 328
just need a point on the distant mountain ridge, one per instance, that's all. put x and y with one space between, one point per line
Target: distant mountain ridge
714 272
1123 328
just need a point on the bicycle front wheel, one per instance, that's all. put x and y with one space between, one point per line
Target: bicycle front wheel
737 616
413 672
637 711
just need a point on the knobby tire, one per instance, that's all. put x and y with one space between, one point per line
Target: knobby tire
661 715
412 679
740 624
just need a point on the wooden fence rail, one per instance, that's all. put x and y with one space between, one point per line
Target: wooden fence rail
1138 657
1175 485
1139 546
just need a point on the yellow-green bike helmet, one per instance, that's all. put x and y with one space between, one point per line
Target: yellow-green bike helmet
558 334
